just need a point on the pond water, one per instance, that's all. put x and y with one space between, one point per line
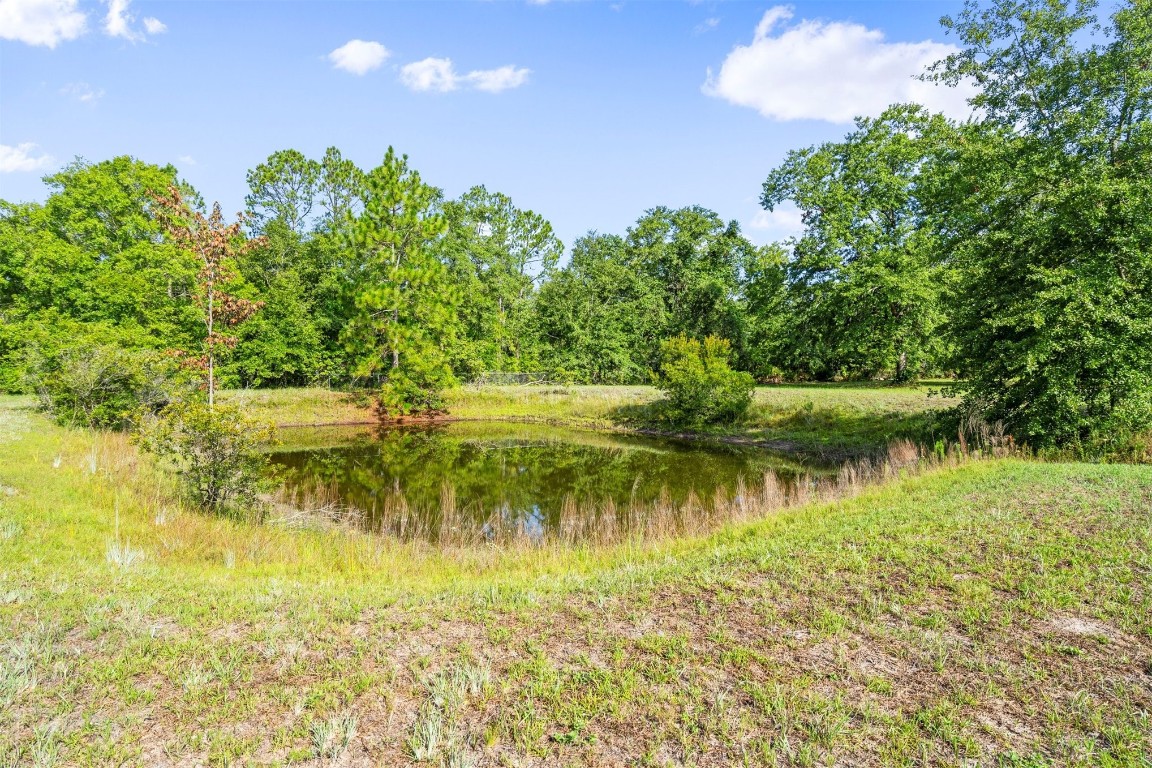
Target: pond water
468 481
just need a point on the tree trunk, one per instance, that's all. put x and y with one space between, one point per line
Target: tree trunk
211 351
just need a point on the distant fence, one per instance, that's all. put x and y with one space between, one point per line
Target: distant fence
507 378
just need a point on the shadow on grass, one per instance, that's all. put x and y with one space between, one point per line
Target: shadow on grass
827 431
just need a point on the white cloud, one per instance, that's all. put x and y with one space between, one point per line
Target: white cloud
41 22
500 79
433 74
118 22
359 56
83 92
779 224
19 158
831 71
187 159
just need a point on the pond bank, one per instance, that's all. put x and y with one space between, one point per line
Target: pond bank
831 420
774 445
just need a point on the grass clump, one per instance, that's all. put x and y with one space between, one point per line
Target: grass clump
122 555
332 737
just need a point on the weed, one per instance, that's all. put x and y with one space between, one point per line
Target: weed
450 687
10 529
457 756
428 735
120 554
17 672
45 751
194 678
332 737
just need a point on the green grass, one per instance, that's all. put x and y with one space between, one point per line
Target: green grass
998 613
822 417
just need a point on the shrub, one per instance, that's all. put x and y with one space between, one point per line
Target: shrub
698 384
215 451
101 385
417 387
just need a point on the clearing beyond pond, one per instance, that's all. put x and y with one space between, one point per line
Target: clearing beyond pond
981 612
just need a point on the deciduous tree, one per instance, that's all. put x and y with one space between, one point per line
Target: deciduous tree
1046 212
864 277
215 244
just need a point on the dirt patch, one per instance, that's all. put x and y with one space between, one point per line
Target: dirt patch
1077 626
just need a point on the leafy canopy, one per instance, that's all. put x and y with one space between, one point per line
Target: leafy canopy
1043 205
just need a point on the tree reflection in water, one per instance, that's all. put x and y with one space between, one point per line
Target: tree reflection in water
488 480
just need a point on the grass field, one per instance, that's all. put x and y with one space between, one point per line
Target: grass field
992 613
815 417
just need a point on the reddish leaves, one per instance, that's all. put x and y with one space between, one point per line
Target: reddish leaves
215 244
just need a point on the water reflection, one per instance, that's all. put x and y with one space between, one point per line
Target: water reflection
468 480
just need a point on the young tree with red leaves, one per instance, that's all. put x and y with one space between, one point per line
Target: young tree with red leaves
215 244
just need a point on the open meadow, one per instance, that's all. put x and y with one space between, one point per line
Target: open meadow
980 611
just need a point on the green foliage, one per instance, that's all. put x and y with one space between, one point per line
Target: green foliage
598 319
681 271
767 322
281 345
404 304
91 383
283 190
696 261
497 255
416 387
91 256
699 385
216 451
1045 207
864 278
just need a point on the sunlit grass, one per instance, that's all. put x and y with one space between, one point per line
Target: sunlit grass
849 417
996 611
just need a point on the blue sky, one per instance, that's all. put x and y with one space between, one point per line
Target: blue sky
588 113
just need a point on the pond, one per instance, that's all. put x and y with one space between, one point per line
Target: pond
463 482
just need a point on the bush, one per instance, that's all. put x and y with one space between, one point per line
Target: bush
215 451
101 385
417 387
698 384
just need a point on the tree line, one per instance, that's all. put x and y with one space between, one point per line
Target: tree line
1011 252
